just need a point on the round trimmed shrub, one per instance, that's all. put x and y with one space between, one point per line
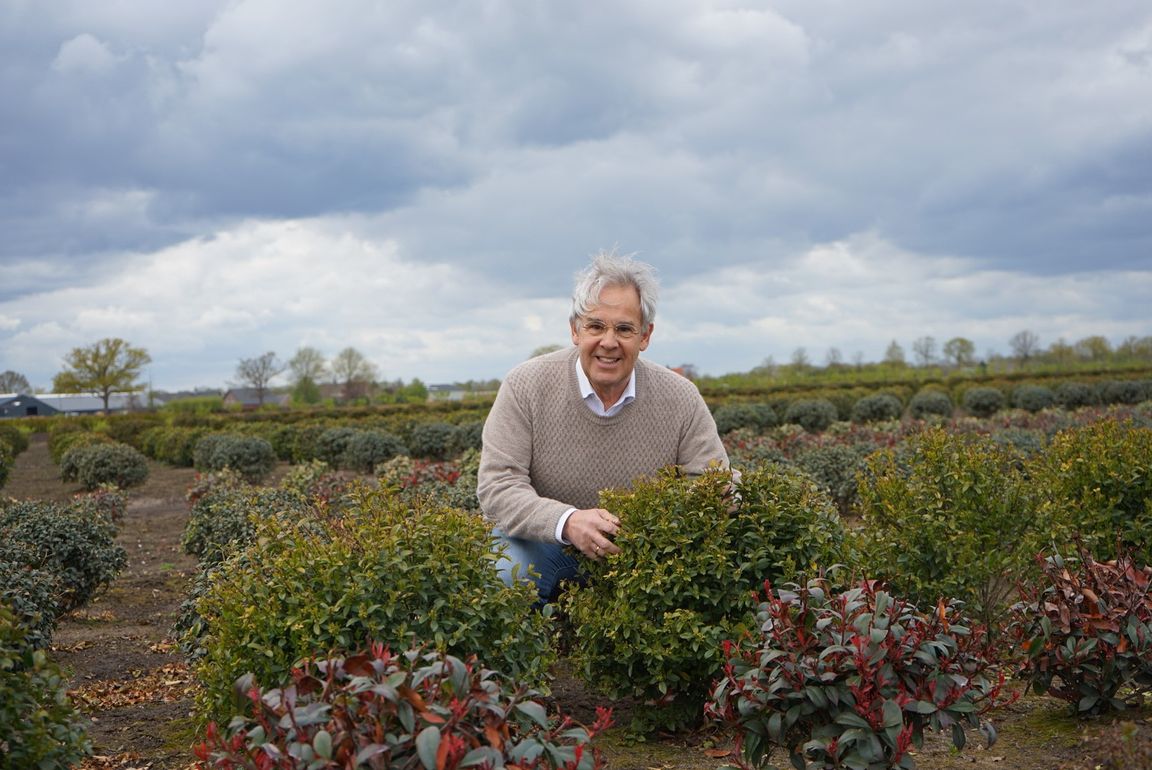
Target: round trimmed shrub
756 417
1074 395
930 403
60 443
332 443
14 437
32 595
383 571
983 401
250 456
431 440
368 448
468 435
99 464
834 468
693 552
1123 391
813 414
39 727
1033 398
6 459
879 407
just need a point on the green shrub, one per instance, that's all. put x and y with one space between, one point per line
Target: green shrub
39 728
362 706
1095 483
853 679
1033 398
930 402
175 446
126 429
368 448
431 440
250 456
834 468
1122 392
948 516
332 443
879 407
98 465
60 443
756 417
66 541
813 414
983 402
6 460
224 518
693 551
14 437
382 571
31 595
468 435
1086 632
1074 395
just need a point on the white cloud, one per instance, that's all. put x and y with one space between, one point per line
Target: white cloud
84 54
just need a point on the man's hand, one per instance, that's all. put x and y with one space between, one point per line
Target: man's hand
591 530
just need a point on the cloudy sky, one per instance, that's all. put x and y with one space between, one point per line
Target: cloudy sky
214 179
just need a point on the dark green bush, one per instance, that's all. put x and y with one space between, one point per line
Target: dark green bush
431 440
1033 398
39 728
250 456
60 443
853 679
1123 391
756 417
948 516
983 402
927 403
31 595
98 465
175 445
368 448
878 407
1095 483
6 459
362 706
651 620
468 436
1075 395
813 414
224 519
14 437
834 468
382 571
66 541
332 443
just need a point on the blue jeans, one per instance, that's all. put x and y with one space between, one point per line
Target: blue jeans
548 565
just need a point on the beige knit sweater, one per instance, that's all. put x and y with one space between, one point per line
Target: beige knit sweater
545 451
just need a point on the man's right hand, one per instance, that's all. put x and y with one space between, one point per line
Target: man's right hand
591 530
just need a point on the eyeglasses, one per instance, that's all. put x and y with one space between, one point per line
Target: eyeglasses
596 328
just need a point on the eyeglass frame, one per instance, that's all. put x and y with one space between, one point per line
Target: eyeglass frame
622 331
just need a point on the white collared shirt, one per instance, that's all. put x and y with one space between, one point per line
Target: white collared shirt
597 406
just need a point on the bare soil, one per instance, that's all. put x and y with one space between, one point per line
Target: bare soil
128 677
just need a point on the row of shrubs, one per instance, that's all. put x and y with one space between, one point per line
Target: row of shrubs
817 414
53 559
12 442
676 610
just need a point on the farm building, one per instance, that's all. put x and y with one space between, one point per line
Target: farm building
249 398
48 404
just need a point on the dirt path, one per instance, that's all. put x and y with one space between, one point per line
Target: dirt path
130 680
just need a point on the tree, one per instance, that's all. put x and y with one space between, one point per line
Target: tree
1061 352
14 382
833 359
1024 345
1094 348
1135 348
353 372
924 348
800 360
960 351
894 355
258 372
543 349
105 367
308 364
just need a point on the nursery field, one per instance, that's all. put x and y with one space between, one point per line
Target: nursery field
127 675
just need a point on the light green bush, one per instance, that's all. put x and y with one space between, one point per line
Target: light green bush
694 551
383 571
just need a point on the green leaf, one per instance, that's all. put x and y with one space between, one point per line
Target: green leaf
427 744
534 711
893 715
322 744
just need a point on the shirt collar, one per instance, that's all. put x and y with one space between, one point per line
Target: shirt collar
593 401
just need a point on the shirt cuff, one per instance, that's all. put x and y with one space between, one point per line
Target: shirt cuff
560 526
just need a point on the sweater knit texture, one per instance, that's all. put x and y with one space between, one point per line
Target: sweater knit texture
545 451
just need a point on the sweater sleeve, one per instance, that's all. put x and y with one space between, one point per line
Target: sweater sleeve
504 486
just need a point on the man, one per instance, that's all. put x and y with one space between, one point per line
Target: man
568 424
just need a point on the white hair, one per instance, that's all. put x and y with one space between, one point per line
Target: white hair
611 269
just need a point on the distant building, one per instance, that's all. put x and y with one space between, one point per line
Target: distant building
446 392
47 404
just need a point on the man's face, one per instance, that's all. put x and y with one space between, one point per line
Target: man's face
608 359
